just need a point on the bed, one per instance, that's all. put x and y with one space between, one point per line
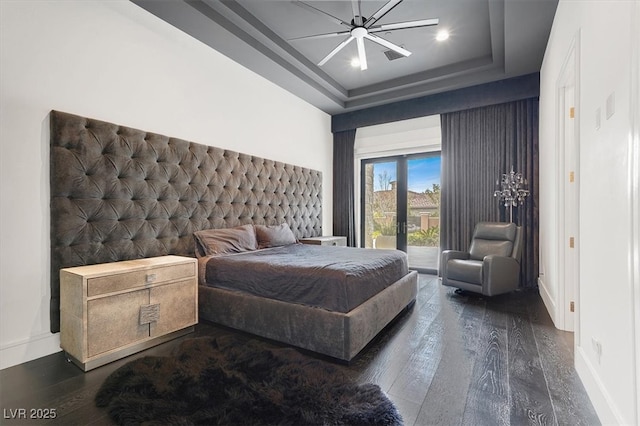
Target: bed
331 300
119 193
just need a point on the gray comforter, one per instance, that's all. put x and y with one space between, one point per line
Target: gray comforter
334 278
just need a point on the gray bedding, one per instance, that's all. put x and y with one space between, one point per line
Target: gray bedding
334 278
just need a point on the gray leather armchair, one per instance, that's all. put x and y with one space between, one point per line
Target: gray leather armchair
492 265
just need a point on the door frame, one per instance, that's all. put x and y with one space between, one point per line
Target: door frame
402 207
568 198
634 185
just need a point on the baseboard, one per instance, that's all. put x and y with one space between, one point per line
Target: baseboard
549 302
600 398
29 349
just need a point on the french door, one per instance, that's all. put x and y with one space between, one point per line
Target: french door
400 199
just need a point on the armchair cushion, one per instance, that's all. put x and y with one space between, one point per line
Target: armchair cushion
481 248
492 238
495 231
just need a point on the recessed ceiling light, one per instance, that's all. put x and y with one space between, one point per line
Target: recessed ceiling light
355 62
442 35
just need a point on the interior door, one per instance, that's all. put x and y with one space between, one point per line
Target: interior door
570 208
401 207
568 199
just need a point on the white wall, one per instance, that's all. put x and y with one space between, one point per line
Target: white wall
608 30
113 61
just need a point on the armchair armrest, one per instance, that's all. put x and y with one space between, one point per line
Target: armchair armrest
446 256
500 275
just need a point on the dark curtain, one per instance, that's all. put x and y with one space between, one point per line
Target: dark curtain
343 186
478 146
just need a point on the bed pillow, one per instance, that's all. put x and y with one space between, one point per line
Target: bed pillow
274 236
211 242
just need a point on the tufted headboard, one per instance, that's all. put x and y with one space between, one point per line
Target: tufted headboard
119 193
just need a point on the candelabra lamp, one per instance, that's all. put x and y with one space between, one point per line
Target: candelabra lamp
511 190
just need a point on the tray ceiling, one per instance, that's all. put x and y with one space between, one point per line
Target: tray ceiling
489 40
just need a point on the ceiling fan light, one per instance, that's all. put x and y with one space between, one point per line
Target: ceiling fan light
442 35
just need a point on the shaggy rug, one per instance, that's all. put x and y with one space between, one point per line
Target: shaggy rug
225 381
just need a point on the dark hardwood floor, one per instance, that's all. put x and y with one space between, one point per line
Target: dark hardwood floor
452 359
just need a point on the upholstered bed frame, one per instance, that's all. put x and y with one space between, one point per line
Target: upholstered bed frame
335 334
119 193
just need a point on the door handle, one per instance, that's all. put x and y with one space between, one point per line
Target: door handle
401 228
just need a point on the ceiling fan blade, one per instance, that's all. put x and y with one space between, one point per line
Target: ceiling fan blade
357 14
336 50
322 13
317 36
381 12
362 55
403 25
388 44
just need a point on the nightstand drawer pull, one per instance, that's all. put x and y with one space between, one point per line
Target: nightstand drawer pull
149 313
149 278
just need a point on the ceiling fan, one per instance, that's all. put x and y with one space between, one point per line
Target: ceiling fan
361 28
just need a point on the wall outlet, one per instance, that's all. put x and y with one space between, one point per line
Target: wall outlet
597 348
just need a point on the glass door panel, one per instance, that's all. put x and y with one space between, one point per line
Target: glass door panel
423 212
380 205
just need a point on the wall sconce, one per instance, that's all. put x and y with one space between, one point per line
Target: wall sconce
512 190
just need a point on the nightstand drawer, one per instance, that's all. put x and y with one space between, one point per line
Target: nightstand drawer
131 280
